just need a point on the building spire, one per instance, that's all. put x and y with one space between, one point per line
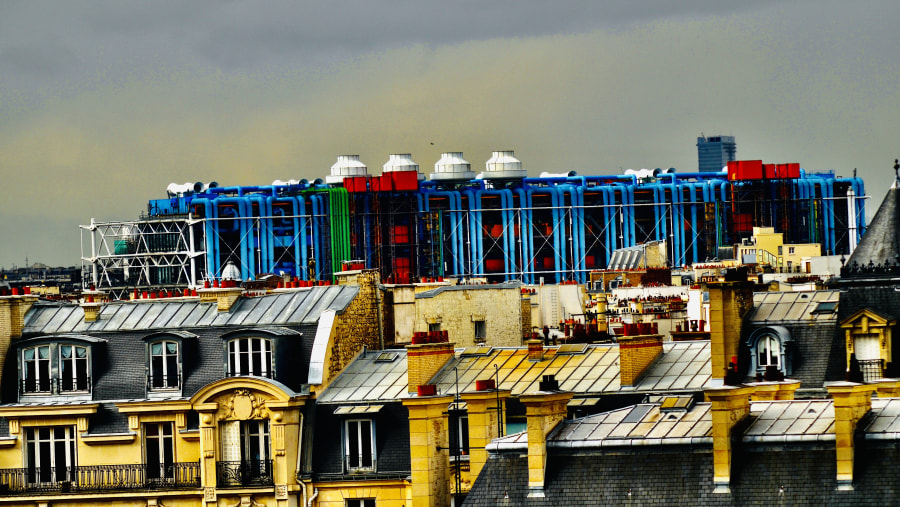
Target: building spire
896 170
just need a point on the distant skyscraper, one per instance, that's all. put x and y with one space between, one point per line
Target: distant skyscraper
713 153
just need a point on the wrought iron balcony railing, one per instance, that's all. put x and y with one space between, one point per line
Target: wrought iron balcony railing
236 474
57 385
99 478
162 382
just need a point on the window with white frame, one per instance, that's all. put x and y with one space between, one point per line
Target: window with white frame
50 454
459 435
250 356
164 361
359 502
159 450
246 441
359 445
55 368
768 351
36 369
73 368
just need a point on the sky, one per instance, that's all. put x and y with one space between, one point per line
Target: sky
104 103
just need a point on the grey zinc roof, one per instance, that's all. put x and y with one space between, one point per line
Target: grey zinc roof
302 306
683 366
771 307
791 420
369 379
513 284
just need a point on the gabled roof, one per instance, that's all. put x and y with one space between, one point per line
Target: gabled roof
283 309
879 317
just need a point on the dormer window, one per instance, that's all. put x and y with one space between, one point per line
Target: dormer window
164 362
73 368
770 349
55 368
36 370
250 356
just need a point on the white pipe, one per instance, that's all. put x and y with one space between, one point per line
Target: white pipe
851 217
312 499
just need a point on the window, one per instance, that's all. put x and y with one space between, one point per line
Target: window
245 453
50 454
434 326
250 356
480 331
56 369
790 250
359 447
768 352
459 435
73 368
159 450
780 250
36 369
360 502
164 365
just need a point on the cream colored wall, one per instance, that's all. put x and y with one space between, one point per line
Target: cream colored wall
385 493
501 309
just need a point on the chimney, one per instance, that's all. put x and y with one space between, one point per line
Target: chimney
224 297
774 391
429 444
851 402
730 405
888 387
535 350
485 410
543 411
636 353
424 360
728 303
92 303
12 321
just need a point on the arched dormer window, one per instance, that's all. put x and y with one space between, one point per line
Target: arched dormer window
770 347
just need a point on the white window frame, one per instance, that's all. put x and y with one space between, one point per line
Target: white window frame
164 436
75 361
771 346
240 360
53 472
43 381
354 434
171 380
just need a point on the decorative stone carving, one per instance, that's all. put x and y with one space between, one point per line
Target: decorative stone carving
243 405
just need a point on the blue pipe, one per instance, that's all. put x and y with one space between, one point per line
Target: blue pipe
242 219
210 233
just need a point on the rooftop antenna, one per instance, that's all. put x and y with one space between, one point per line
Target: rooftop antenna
897 169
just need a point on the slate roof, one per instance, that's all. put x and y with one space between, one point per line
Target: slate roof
369 379
513 284
301 306
880 245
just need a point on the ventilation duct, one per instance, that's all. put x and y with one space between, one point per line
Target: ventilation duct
402 162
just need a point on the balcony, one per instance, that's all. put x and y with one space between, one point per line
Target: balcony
82 479
55 385
163 382
240 474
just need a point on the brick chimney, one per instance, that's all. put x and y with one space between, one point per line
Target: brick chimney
730 405
728 303
224 297
12 321
485 410
535 350
424 360
543 411
851 402
429 444
636 353
772 391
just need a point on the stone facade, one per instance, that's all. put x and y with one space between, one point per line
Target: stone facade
357 326
457 309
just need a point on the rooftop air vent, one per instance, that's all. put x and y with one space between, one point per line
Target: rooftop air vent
346 166
452 166
402 162
231 272
504 165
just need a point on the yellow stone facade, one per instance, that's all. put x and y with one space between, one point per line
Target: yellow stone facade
730 405
851 402
543 411
428 448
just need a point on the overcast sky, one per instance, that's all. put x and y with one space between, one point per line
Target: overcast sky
103 104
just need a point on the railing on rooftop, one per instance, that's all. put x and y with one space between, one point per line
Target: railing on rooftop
99 478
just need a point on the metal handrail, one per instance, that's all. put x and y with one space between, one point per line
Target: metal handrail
99 478
164 380
235 474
